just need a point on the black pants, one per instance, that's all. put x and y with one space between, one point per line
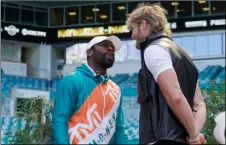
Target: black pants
168 142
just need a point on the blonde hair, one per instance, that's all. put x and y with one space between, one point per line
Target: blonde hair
154 14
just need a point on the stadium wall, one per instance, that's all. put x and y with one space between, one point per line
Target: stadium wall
53 71
202 63
32 57
47 61
10 51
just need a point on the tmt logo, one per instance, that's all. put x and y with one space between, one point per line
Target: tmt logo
88 118
94 120
113 91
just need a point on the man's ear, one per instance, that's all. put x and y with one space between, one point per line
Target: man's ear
143 25
89 52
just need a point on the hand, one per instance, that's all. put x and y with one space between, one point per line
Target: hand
194 139
202 138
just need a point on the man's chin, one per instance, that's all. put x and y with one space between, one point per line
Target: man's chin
138 45
109 61
108 65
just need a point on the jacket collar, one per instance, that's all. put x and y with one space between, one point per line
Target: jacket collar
151 38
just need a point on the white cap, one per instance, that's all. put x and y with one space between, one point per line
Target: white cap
115 41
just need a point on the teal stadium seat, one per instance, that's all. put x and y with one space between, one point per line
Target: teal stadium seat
127 83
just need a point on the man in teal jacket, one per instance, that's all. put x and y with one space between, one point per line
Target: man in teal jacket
88 105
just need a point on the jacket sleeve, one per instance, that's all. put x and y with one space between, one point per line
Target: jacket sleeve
120 137
62 110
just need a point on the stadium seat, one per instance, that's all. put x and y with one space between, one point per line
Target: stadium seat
129 91
221 75
9 125
127 83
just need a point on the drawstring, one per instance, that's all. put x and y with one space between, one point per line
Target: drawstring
104 98
97 74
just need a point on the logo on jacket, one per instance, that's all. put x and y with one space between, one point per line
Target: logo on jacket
94 119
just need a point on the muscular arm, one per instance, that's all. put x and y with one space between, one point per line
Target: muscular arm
200 109
171 90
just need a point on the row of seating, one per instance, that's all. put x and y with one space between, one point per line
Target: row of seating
123 80
215 73
126 82
9 82
209 73
10 125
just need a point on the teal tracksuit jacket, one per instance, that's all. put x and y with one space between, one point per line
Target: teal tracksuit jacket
88 110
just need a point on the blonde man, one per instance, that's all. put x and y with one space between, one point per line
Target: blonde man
172 108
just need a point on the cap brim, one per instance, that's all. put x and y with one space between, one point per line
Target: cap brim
115 41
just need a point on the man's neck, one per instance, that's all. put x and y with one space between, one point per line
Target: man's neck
98 70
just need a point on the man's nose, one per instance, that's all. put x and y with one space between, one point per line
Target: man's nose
110 48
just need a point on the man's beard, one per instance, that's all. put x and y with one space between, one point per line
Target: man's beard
102 60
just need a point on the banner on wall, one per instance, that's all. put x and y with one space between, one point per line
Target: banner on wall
92 31
176 25
25 33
